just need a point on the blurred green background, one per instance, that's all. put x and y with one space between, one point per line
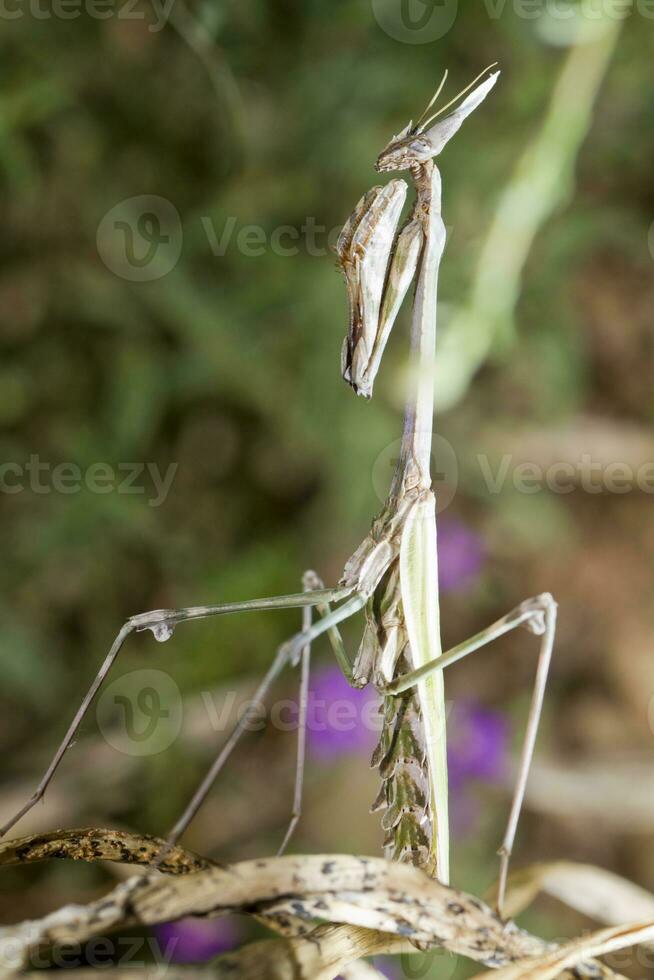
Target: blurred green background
223 363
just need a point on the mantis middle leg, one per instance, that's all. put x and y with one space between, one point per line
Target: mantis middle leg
539 616
162 623
288 653
310 581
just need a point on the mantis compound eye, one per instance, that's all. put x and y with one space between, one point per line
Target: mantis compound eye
403 155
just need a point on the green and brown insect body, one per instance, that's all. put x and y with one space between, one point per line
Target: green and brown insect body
411 752
393 574
395 568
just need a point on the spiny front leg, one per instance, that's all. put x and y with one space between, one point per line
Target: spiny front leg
378 267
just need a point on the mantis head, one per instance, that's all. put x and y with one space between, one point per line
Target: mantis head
417 144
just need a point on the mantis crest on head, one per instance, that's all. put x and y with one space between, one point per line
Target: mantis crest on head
393 575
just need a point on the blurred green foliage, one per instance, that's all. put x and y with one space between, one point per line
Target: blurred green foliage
228 365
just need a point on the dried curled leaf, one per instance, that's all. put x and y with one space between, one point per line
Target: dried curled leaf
617 793
98 844
375 906
597 893
569 956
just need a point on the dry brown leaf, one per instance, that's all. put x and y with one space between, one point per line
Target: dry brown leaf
617 793
174 972
550 965
383 904
98 844
121 847
593 891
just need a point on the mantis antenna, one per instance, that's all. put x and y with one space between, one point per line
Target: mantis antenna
433 98
420 126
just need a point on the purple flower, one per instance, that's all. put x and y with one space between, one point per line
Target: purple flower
436 963
386 967
477 750
340 719
196 940
477 744
460 555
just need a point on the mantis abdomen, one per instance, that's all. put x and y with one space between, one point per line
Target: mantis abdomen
403 756
405 793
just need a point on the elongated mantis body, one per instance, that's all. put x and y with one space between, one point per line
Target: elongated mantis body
393 574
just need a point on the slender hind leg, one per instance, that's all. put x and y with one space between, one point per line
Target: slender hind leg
203 789
310 581
539 616
290 653
162 623
72 729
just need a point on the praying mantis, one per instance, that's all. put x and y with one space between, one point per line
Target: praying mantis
393 575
